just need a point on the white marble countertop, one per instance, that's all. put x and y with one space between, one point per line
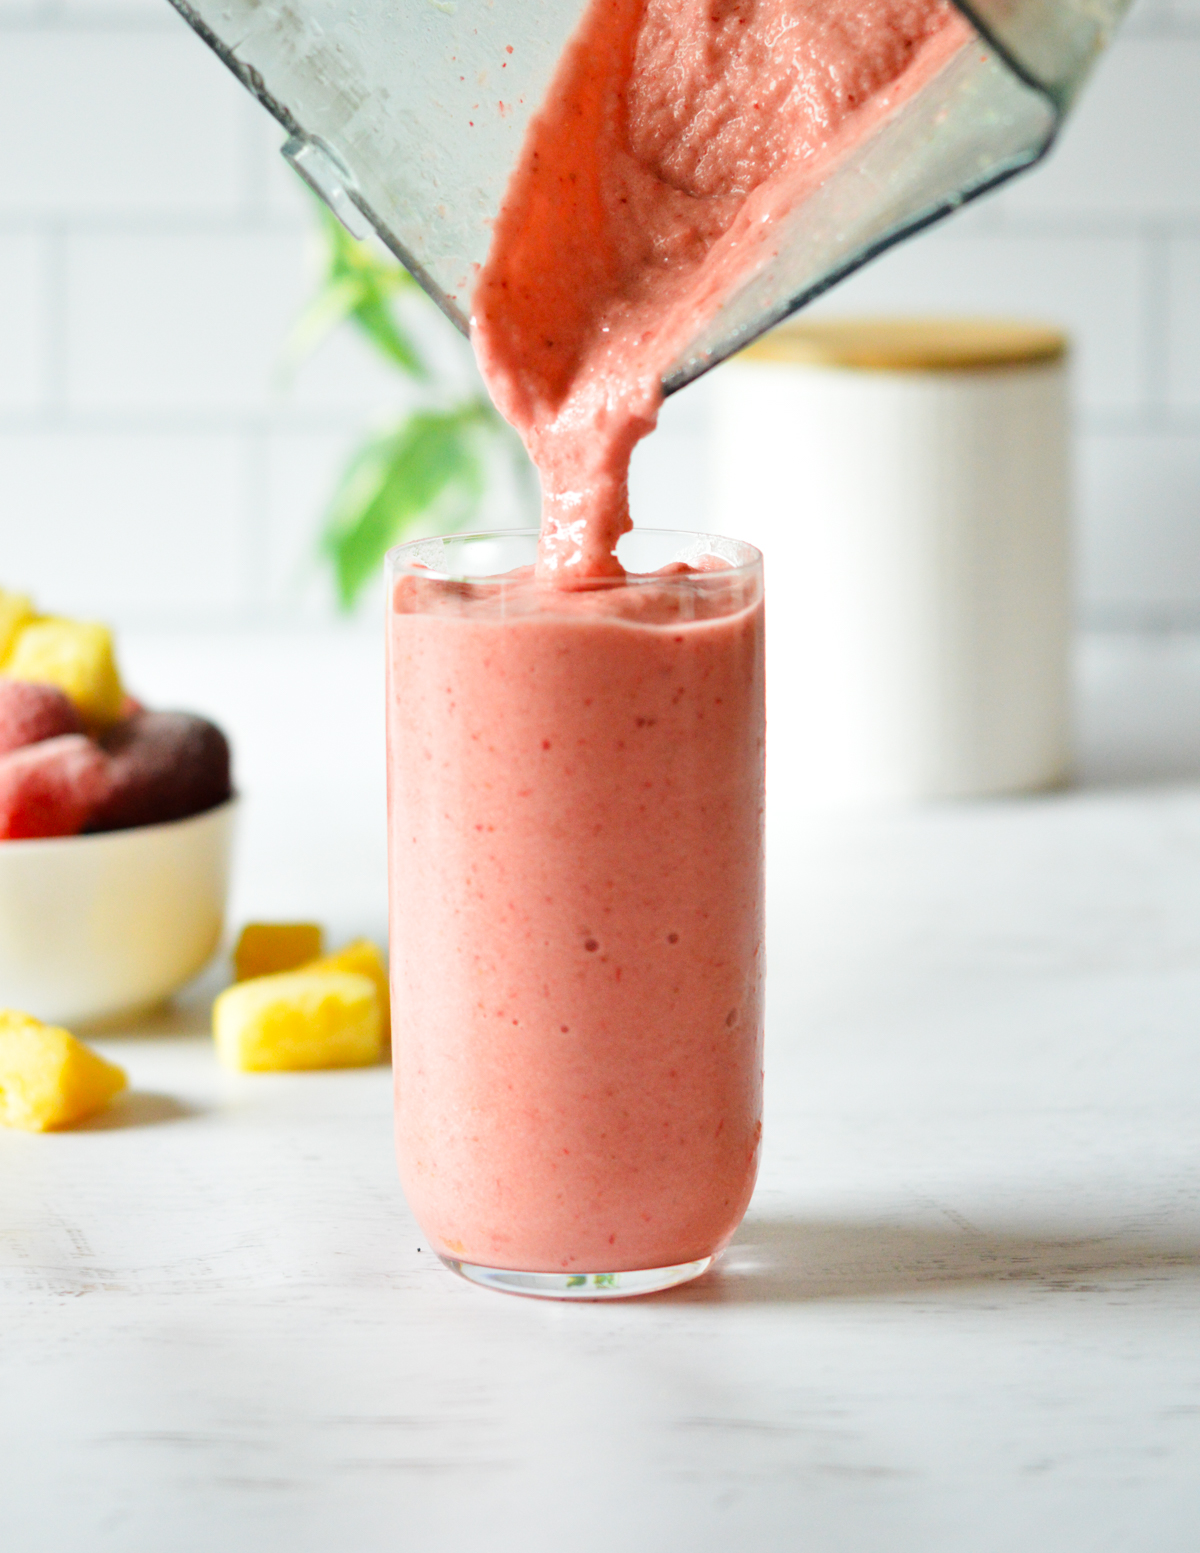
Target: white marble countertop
962 1314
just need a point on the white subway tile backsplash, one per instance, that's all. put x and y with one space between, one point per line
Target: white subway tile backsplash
24 322
1183 342
198 321
1148 17
119 122
1139 530
115 525
173 322
301 472
1132 146
146 13
1091 285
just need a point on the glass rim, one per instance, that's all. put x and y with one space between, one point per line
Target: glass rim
396 560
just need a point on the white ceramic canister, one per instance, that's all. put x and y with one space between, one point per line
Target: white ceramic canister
908 483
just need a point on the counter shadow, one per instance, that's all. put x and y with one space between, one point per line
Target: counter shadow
138 1108
785 1261
188 1013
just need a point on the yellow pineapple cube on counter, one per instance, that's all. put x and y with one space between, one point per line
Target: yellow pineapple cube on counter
364 959
16 612
299 1019
48 1078
75 655
267 947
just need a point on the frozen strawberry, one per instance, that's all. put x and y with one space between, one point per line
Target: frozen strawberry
162 766
51 788
30 713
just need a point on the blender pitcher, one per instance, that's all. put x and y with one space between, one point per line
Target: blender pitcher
408 117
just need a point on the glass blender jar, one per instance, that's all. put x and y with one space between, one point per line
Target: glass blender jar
383 103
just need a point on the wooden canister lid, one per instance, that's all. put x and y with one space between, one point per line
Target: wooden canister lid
909 344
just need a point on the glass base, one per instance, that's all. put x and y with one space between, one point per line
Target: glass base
579 1286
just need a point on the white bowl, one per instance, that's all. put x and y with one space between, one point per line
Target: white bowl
95 926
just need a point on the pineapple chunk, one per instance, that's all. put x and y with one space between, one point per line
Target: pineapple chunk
267 947
48 1078
299 1019
364 959
16 612
75 655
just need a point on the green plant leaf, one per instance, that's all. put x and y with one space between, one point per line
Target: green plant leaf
357 286
429 463
331 306
376 321
428 471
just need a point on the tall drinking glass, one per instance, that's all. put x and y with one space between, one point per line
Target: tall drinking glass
576 858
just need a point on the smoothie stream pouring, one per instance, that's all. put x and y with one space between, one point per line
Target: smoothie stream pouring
410 117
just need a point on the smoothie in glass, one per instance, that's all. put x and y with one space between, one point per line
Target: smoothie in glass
576 811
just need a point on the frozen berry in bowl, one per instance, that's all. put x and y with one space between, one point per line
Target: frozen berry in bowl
30 713
162 766
51 788
116 828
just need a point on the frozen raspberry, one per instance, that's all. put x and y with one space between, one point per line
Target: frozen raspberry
51 788
161 766
31 713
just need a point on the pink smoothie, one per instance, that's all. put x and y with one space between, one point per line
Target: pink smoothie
576 758
576 830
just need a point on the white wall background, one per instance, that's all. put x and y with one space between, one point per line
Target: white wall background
153 251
